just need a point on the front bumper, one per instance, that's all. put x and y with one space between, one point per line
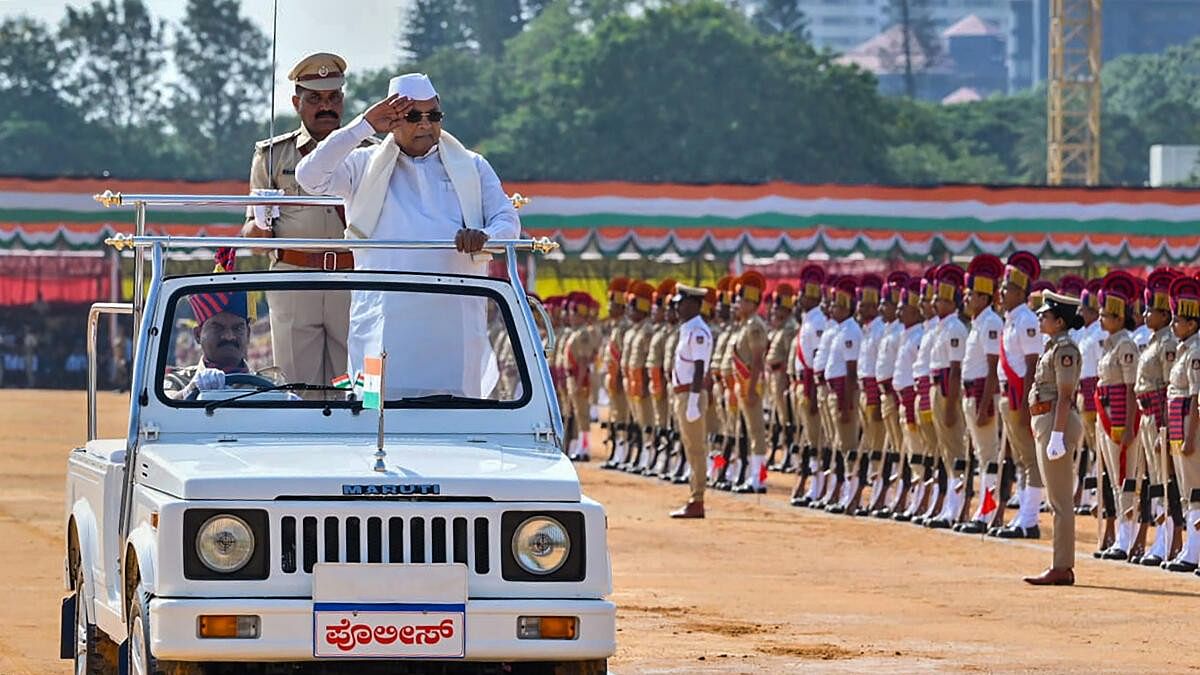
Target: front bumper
287 626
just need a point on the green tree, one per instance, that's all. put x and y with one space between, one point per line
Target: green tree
119 59
691 92
435 24
221 103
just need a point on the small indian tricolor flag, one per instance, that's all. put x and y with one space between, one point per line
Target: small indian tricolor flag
360 380
372 382
341 381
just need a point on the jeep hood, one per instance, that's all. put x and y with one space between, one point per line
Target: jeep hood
252 469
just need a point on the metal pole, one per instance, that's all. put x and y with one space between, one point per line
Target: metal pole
112 309
139 268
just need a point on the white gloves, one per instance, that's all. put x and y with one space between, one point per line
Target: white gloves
693 407
207 379
1056 448
261 220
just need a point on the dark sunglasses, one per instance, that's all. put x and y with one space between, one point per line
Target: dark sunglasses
414 116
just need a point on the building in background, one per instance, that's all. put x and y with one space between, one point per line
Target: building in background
1129 27
968 63
842 25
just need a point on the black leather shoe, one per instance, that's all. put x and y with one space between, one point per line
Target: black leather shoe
835 508
938 524
884 512
1020 533
1179 565
1150 561
679 480
1115 553
971 527
799 501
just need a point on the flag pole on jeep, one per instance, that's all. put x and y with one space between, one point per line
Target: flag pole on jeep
374 368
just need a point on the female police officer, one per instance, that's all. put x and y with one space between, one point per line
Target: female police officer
1057 429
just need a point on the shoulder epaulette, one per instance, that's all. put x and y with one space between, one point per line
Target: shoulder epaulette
274 140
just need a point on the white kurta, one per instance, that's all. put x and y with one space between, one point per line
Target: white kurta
435 343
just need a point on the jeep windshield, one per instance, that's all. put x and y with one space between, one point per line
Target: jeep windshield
449 345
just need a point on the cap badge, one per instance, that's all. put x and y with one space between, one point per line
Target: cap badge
323 71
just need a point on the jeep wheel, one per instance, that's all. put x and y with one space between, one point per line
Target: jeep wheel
141 661
94 653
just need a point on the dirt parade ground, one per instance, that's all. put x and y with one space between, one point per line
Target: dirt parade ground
758 587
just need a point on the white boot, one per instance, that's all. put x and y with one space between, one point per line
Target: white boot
986 482
816 484
1126 531
1191 544
1031 505
619 452
954 502
581 446
1162 533
734 469
573 449
849 487
754 475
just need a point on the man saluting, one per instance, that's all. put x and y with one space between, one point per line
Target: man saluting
422 184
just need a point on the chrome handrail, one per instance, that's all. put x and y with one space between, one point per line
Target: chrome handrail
98 309
110 199
124 241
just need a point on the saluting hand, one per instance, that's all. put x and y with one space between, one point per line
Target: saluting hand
386 115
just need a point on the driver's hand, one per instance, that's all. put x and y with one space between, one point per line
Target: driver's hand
207 379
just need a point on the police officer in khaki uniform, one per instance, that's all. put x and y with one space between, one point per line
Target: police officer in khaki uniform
579 352
689 363
723 331
749 349
656 365
1116 436
308 329
1057 428
1154 365
781 336
618 404
1183 385
637 385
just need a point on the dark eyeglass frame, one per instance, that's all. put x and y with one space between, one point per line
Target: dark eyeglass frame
415 116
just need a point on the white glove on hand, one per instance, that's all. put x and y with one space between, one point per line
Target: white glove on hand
207 379
261 220
1056 448
693 407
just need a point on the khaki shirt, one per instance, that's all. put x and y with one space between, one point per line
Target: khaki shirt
720 343
657 357
285 152
580 351
1118 363
779 348
1154 364
613 351
1058 364
1184 380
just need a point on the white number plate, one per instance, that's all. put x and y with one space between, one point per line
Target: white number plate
353 630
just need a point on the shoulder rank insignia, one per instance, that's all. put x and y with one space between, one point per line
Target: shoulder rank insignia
1067 360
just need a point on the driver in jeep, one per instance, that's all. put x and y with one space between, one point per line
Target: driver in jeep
223 332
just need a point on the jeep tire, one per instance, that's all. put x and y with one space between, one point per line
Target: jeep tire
95 654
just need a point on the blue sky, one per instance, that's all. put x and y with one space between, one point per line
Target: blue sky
364 32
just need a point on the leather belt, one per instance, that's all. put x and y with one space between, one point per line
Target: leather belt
321 260
1041 408
682 388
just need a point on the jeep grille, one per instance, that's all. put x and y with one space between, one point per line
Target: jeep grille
307 540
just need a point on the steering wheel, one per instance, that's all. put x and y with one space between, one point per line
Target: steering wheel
248 380
239 379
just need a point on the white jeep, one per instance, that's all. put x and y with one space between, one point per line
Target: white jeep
258 524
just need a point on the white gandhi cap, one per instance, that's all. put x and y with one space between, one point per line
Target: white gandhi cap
415 86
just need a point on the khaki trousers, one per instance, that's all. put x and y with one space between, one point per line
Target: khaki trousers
581 404
1020 439
1059 475
618 407
692 434
951 441
811 420
1151 439
756 430
845 436
662 410
1187 472
1130 468
986 438
893 439
308 333
873 432
828 423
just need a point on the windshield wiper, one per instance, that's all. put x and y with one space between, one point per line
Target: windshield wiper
443 398
289 386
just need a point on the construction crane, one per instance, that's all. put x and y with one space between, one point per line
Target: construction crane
1073 93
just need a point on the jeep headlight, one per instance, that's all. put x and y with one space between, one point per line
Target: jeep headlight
541 545
225 543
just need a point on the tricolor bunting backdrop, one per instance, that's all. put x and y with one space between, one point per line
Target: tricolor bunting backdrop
1121 226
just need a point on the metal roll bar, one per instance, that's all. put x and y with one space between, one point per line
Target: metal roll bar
124 241
98 309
